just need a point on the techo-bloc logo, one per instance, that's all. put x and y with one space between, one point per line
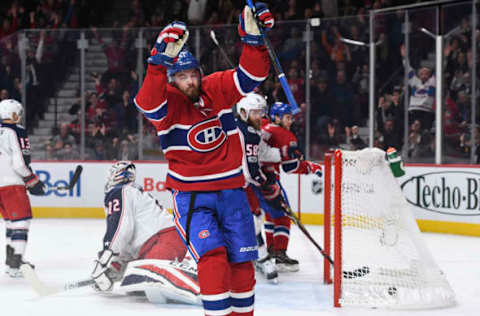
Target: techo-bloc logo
206 136
52 182
446 192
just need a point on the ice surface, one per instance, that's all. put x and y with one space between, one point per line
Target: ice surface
63 250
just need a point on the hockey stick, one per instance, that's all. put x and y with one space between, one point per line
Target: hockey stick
43 289
222 51
276 64
75 177
346 274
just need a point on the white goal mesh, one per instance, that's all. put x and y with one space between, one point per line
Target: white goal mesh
384 261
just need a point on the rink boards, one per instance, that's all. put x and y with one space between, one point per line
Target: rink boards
444 198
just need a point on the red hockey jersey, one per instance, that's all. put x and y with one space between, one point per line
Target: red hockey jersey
201 141
279 137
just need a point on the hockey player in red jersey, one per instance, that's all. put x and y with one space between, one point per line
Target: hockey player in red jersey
277 224
194 120
15 177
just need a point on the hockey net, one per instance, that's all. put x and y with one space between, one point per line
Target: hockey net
375 235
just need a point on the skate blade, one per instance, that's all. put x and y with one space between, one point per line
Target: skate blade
273 281
289 268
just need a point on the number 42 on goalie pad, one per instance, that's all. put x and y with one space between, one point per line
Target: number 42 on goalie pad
162 280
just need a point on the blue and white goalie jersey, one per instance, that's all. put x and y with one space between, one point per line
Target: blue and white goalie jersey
133 216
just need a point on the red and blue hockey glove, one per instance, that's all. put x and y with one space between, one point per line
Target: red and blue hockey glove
169 43
247 27
34 185
295 153
314 168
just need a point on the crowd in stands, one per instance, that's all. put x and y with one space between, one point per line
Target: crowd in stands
339 72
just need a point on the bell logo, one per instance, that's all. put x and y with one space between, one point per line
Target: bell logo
206 136
203 234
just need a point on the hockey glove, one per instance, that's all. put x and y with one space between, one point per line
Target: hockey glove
295 153
260 178
34 185
105 273
273 195
247 27
314 168
169 43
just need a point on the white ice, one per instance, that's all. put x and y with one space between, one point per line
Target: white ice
63 250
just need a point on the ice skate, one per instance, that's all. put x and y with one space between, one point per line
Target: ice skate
13 267
284 263
267 267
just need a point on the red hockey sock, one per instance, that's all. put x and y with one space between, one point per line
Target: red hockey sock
269 229
214 276
281 233
243 283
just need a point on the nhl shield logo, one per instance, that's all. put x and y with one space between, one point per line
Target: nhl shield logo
206 136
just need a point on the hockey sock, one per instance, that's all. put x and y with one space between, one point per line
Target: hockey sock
19 236
214 278
243 293
281 233
269 229
8 232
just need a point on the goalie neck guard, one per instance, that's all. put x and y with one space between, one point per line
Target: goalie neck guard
121 172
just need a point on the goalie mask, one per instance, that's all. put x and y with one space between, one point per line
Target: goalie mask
251 101
8 107
120 173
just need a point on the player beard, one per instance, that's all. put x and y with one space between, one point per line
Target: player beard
255 123
192 92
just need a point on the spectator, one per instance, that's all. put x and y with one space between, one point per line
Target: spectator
322 104
422 94
63 137
353 138
391 135
343 94
3 94
126 113
196 11
420 142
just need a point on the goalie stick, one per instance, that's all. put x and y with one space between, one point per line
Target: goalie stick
276 64
43 289
75 177
222 51
360 272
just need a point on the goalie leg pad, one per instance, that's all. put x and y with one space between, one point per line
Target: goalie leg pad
164 245
162 280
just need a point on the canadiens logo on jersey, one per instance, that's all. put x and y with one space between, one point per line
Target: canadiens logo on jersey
203 234
206 136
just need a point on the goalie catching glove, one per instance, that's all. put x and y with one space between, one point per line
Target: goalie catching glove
34 185
106 271
247 26
169 43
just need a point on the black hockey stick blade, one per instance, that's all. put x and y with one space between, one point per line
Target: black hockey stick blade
73 182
